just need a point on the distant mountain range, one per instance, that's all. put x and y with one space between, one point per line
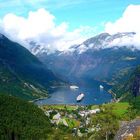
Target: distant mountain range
21 73
105 57
101 41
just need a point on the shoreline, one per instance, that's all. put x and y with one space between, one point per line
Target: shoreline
72 104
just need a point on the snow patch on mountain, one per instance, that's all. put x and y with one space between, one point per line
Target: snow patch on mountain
104 41
101 41
82 48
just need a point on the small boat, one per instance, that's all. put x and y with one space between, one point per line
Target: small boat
80 97
101 87
74 87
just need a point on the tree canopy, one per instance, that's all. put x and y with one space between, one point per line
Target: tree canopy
22 120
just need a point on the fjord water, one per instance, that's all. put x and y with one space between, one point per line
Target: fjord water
65 95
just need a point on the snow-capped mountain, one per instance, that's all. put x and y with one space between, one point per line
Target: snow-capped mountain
105 40
104 57
101 41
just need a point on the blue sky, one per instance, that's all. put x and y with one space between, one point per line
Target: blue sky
75 12
59 24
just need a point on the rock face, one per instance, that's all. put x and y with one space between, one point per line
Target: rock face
128 129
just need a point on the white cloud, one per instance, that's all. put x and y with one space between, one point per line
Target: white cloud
129 22
40 27
37 23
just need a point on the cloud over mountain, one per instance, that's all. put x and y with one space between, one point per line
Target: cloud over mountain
40 27
129 22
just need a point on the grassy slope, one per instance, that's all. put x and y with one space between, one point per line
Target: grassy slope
59 107
119 108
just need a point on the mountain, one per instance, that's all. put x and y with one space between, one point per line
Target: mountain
104 57
101 41
21 73
129 88
135 79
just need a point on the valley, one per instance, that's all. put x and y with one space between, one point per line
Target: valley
44 88
101 59
69 70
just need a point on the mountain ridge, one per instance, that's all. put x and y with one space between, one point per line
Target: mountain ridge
101 41
21 73
106 63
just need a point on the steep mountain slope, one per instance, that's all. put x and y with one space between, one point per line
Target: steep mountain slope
129 88
136 82
21 73
104 57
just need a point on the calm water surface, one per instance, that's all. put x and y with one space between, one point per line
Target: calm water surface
65 95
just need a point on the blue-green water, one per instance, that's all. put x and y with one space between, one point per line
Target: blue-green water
65 95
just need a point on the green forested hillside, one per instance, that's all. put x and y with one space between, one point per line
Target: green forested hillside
129 88
21 73
22 120
12 84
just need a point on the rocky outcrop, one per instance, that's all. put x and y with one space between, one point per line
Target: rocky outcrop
127 129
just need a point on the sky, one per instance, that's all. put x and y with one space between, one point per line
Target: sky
60 23
75 12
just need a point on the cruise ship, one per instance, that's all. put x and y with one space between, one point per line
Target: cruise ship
80 97
74 87
101 87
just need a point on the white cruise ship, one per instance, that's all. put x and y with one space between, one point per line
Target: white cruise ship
80 97
74 87
101 87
